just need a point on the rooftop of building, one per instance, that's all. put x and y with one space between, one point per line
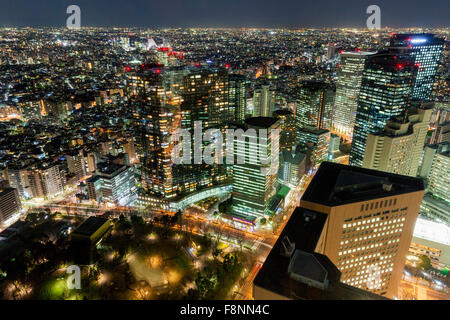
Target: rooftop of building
357 53
90 226
283 112
261 122
6 190
314 130
415 39
337 184
295 271
110 168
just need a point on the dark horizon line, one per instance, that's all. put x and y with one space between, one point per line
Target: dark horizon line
225 27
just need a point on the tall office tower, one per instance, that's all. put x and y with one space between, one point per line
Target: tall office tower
317 142
236 96
426 51
439 177
254 180
398 148
76 164
335 142
385 92
288 128
314 105
368 219
347 89
10 204
156 99
428 156
435 167
205 98
331 52
165 100
263 101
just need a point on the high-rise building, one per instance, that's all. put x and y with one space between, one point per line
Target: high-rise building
156 96
254 180
348 83
163 101
288 128
335 142
237 97
428 156
113 183
206 99
368 223
439 177
317 142
10 204
426 51
314 105
331 51
358 220
434 205
263 101
292 166
385 93
398 148
76 164
45 181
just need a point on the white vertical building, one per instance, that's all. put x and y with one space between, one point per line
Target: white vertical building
398 148
347 90
263 101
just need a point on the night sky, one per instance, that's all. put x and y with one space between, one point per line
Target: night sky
225 13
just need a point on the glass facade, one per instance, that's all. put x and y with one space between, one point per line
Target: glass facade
426 51
385 93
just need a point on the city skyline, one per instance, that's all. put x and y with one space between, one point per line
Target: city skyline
224 150
219 14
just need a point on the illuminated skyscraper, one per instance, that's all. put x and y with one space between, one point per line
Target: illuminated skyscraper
237 99
439 177
263 101
385 93
347 89
254 180
155 100
317 142
10 204
398 148
361 220
314 105
436 168
205 98
167 99
288 128
426 51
